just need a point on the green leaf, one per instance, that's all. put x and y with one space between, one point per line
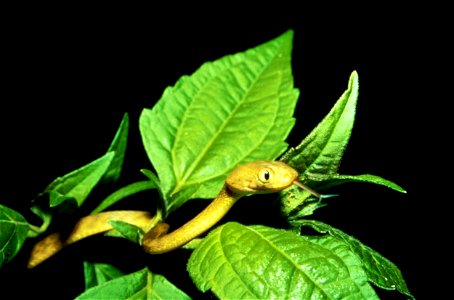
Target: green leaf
336 179
320 153
124 192
13 232
152 176
75 187
236 109
99 273
139 285
318 157
128 231
380 271
118 146
322 150
298 203
259 262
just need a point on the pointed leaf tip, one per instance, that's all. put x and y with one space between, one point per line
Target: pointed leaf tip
75 186
322 150
354 80
289 34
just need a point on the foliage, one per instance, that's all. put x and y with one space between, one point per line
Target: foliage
236 109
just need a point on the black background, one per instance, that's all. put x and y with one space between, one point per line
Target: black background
70 73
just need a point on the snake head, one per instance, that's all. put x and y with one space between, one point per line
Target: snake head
261 177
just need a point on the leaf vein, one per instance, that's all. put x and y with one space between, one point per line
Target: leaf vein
214 137
288 258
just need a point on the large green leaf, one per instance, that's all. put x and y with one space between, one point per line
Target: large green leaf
258 262
230 111
13 232
379 270
139 285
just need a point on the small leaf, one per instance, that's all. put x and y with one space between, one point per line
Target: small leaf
259 262
320 153
152 176
99 273
124 192
322 150
318 157
230 111
77 185
380 271
298 203
336 179
118 146
71 190
129 231
13 232
139 285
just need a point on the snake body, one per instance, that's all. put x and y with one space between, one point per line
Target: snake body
258 177
193 228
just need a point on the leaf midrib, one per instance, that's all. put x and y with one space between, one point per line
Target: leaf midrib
231 265
331 133
288 258
265 136
199 158
11 236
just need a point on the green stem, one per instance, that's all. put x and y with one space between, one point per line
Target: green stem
124 192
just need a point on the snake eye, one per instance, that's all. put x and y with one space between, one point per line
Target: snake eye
264 175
